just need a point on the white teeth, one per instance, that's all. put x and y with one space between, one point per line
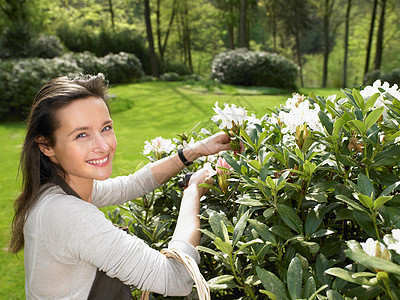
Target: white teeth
95 162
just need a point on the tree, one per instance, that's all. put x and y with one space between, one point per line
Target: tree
371 33
162 45
243 39
150 39
379 39
110 6
296 18
184 33
346 44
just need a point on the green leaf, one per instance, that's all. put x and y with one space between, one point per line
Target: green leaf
255 165
333 295
390 189
250 200
371 101
372 262
263 230
231 162
222 282
326 122
338 125
289 216
210 187
207 250
322 265
373 117
365 200
358 99
295 278
349 276
365 185
358 126
272 284
350 202
245 245
380 201
312 222
223 246
216 222
310 287
240 227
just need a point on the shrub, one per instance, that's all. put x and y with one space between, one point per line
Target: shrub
25 77
392 77
21 79
298 215
171 76
122 67
46 46
250 68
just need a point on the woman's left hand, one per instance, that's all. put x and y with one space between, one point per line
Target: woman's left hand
213 144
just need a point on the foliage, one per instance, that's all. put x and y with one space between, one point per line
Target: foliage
297 214
21 79
250 68
393 77
104 41
170 76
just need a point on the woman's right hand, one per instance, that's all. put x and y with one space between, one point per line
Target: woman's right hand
201 176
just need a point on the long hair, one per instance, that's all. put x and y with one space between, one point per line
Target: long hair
35 167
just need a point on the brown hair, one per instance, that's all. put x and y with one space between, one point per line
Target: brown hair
36 168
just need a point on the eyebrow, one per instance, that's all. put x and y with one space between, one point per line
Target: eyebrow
83 128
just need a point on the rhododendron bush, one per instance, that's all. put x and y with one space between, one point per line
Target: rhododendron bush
308 210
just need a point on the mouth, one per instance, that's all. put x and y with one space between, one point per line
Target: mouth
99 162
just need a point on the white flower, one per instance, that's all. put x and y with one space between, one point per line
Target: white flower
301 114
205 131
229 116
376 87
375 248
191 142
158 145
393 240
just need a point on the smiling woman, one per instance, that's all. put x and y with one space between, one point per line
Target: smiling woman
66 163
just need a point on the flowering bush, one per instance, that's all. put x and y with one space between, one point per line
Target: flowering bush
308 210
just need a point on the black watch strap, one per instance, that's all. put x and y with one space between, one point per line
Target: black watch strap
183 158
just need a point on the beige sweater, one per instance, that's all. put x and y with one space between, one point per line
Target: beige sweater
67 239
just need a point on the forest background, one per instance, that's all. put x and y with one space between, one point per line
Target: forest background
334 42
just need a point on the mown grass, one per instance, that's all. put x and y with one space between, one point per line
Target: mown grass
141 112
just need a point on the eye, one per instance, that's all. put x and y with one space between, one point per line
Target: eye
106 128
81 135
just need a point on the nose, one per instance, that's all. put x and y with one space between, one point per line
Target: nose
100 144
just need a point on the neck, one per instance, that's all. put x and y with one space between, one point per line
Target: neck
83 189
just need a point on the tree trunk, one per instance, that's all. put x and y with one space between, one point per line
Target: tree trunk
298 48
243 24
346 44
231 31
187 37
110 5
153 59
162 45
371 33
326 37
379 40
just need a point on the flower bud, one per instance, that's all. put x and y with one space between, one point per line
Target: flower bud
301 135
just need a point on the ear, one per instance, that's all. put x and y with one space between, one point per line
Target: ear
44 146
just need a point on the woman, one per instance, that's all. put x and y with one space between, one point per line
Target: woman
66 163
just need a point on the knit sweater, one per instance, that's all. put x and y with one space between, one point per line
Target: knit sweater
67 239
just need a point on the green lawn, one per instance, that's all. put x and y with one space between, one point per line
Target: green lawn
156 109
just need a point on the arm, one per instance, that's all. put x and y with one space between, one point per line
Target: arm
167 167
188 223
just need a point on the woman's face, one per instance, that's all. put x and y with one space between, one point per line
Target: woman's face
85 142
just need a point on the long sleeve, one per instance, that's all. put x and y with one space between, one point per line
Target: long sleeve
68 238
121 189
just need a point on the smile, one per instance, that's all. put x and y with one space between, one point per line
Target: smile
98 161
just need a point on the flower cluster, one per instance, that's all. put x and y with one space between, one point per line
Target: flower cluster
300 112
231 117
